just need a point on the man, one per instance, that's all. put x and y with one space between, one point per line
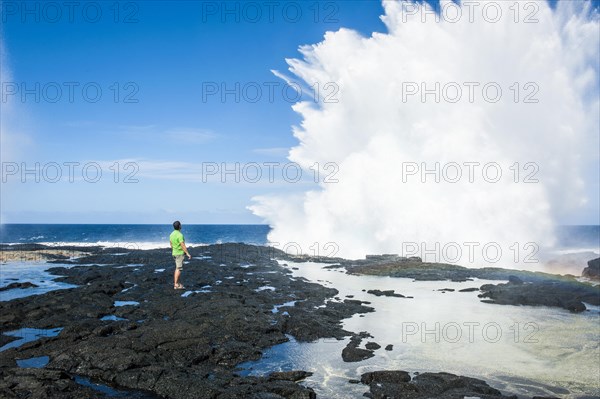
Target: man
178 249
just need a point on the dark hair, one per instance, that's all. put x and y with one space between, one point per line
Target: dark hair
177 225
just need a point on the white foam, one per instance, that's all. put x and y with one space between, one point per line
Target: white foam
135 245
265 288
374 136
129 265
188 293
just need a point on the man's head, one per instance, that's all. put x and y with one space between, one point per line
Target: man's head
177 225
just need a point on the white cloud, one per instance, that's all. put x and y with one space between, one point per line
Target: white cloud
288 80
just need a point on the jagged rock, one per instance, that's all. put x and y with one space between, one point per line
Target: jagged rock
294 376
352 354
393 376
514 280
23 285
592 271
568 294
372 345
398 384
386 293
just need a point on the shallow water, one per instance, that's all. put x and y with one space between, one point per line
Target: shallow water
112 317
126 303
34 272
518 349
29 335
111 392
283 305
33 362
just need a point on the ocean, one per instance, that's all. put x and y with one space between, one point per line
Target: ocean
133 236
570 238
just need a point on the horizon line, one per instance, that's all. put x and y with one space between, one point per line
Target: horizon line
137 224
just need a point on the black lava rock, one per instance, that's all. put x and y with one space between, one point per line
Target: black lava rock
296 375
385 293
174 346
372 345
568 294
592 271
398 384
24 285
352 353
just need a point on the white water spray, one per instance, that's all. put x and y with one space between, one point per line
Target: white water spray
459 140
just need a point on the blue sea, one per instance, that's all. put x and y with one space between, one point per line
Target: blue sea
570 238
142 236
585 237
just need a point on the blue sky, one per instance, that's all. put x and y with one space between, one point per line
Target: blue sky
161 56
153 62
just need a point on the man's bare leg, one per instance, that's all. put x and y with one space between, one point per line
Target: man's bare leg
176 277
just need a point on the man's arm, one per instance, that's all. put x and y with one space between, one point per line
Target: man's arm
185 250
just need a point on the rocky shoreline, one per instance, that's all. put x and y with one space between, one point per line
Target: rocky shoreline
125 327
172 343
523 287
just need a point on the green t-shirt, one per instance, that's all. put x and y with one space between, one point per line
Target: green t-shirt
176 239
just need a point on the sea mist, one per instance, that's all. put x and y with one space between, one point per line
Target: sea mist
459 137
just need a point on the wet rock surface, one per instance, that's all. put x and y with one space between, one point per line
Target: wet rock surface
592 271
372 346
416 269
39 252
171 343
389 293
523 287
352 353
23 285
296 375
39 383
569 295
398 384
